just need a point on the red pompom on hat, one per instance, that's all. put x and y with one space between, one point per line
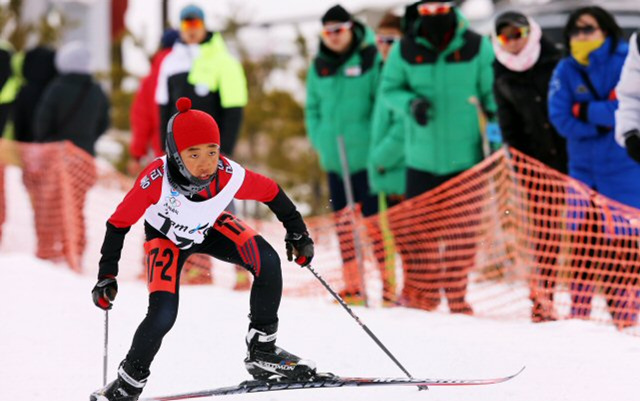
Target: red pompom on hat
193 127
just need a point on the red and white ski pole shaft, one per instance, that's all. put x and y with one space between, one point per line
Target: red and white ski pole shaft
364 326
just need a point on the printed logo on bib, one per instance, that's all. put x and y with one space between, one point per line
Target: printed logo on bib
200 229
181 242
171 203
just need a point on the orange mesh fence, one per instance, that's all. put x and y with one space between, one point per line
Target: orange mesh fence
510 238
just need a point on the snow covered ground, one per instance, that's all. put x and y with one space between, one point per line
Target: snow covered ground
51 344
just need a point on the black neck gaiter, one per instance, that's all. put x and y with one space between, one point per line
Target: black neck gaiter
438 29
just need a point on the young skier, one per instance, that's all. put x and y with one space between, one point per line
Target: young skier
183 196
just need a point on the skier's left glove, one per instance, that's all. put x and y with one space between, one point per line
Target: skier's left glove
104 292
300 246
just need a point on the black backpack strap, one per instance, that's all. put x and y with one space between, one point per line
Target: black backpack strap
594 92
587 81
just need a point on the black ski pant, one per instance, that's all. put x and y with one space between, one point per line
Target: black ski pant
230 240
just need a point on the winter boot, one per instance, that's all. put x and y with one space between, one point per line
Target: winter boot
127 387
265 360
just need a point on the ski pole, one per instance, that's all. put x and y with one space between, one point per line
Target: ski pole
106 348
364 326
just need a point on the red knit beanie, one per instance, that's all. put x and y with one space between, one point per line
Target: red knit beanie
193 127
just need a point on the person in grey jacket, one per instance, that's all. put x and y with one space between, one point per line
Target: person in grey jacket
73 108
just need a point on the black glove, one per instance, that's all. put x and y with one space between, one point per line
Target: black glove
104 292
420 110
300 246
633 144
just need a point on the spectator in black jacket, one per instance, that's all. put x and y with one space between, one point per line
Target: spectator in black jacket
524 63
73 108
38 69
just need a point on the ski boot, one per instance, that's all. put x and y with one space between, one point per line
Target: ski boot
127 387
266 361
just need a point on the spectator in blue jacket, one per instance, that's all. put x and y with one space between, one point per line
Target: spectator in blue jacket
582 105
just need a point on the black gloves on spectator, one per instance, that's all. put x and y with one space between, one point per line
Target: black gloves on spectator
420 110
105 292
300 246
633 144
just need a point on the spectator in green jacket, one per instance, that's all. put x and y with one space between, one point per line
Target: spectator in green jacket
386 163
433 76
341 88
386 155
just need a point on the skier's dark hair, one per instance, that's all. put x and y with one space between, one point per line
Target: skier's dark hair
605 19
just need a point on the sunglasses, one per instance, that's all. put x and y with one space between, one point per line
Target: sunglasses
336 29
426 9
518 33
188 24
386 39
587 30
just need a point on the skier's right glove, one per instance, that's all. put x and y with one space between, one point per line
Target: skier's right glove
420 110
633 144
300 246
105 292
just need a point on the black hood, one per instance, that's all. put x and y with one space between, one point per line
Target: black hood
39 66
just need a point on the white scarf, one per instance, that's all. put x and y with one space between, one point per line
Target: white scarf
527 56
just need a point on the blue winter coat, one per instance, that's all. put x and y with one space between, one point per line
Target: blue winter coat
594 156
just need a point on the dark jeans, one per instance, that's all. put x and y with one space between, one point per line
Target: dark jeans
344 222
255 255
361 193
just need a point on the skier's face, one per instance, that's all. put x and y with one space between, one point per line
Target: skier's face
201 160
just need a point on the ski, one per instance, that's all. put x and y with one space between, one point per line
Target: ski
328 380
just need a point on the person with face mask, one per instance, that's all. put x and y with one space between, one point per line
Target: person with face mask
582 106
525 60
431 77
341 89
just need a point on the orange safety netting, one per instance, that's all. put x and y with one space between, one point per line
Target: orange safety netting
510 238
